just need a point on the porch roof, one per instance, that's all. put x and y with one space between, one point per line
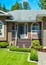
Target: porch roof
2 13
26 15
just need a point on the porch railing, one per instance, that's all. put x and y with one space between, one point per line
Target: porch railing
14 34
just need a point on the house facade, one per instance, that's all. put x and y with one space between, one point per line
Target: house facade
20 27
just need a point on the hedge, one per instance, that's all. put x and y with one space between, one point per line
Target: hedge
3 44
36 44
13 48
34 55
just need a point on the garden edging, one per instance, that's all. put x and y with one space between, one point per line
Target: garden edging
29 59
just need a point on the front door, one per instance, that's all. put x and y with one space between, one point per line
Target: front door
20 30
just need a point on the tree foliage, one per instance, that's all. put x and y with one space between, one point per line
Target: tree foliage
16 6
20 6
26 5
42 4
3 8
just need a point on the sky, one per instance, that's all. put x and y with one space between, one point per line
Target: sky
9 3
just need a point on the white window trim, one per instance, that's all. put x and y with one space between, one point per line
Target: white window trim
31 29
2 29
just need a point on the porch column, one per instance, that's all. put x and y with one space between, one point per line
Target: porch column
44 32
9 32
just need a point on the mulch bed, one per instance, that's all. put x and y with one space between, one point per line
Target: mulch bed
43 50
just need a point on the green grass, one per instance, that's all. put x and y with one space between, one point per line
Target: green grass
13 58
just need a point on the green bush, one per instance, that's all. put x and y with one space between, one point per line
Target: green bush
3 44
13 48
34 55
36 44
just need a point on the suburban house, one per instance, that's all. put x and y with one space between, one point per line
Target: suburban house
20 27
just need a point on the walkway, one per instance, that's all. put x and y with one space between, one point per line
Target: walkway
42 58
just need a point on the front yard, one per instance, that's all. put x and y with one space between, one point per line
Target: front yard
14 58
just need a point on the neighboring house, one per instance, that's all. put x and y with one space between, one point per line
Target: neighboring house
20 27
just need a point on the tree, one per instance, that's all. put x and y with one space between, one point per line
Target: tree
21 6
4 8
42 4
26 5
16 6
1 7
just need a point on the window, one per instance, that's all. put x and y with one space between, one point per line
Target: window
35 28
1 29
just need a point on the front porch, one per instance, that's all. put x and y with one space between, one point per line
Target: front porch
23 33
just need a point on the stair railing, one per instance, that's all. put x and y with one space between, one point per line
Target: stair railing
16 37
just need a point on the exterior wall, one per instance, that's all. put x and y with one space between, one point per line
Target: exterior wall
5 29
35 36
44 32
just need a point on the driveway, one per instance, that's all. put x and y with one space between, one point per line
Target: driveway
42 58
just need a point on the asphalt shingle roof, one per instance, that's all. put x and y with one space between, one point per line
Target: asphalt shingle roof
26 15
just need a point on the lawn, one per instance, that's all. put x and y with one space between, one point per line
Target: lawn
13 58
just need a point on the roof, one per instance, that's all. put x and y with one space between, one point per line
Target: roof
26 15
2 13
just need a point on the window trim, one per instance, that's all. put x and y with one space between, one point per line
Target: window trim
34 30
2 29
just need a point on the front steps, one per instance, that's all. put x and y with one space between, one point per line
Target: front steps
24 43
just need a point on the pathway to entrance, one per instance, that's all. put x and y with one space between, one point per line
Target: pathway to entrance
42 58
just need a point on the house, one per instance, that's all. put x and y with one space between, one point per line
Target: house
20 27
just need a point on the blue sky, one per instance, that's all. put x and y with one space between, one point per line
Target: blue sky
9 3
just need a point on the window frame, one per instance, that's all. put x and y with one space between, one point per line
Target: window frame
2 30
35 30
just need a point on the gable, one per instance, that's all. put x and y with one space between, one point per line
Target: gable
2 12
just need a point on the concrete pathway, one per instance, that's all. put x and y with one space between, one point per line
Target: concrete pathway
42 58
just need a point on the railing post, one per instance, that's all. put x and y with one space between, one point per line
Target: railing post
15 37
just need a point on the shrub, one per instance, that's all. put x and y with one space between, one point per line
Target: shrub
36 44
13 48
34 55
3 44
